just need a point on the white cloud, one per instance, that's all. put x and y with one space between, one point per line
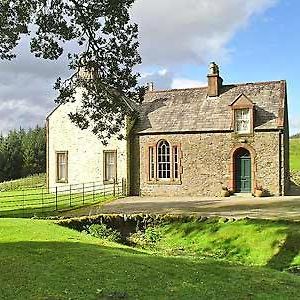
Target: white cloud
190 31
161 78
172 33
183 83
163 72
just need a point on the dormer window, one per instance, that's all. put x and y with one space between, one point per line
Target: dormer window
242 115
242 120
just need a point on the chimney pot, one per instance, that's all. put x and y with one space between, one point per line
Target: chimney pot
150 86
214 80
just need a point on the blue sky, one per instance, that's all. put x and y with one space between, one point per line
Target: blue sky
265 47
268 49
255 40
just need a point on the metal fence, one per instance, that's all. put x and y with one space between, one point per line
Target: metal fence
50 201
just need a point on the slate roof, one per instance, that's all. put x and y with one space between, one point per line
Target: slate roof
184 110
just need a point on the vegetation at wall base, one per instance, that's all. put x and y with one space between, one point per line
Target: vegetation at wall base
41 260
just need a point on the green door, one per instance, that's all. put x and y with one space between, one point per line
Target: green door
243 172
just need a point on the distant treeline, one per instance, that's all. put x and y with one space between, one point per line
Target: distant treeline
295 136
22 153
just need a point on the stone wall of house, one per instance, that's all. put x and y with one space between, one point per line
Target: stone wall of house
206 161
85 150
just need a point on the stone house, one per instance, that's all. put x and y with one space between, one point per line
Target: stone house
189 141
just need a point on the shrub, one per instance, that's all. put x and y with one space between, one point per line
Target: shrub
150 237
104 232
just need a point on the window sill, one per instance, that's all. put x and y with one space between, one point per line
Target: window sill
61 181
165 182
250 134
107 182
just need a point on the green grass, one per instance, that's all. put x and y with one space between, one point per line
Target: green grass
40 202
295 154
275 244
40 260
33 181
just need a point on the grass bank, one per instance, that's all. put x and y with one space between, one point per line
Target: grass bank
41 260
34 181
274 244
295 154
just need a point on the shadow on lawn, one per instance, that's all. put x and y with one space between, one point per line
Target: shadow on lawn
294 189
287 251
74 270
28 212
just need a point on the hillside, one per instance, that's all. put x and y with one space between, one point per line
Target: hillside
295 154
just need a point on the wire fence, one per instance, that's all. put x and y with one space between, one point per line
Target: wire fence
49 201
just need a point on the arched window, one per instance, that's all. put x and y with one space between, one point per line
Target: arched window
163 160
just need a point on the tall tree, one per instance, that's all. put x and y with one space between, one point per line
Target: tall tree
106 54
22 153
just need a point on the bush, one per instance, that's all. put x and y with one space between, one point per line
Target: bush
104 232
150 237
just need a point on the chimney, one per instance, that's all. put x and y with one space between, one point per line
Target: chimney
150 86
214 80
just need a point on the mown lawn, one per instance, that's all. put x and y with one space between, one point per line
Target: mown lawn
295 154
40 260
40 201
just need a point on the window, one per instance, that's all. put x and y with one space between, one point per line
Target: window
176 162
243 115
62 166
164 163
151 163
164 160
110 166
242 120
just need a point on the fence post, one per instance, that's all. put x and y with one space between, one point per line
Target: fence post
23 202
114 188
104 191
70 195
83 193
42 200
93 191
123 187
56 198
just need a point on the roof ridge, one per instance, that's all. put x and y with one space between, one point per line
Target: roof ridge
205 87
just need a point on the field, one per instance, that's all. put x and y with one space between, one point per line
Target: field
34 181
295 154
41 260
41 202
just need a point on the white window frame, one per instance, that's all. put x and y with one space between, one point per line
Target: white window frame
242 119
59 164
164 162
107 164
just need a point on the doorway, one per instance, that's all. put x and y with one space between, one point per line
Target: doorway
242 171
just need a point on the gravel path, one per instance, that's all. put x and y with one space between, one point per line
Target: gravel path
234 206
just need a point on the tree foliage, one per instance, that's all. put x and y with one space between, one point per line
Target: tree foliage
102 62
22 153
